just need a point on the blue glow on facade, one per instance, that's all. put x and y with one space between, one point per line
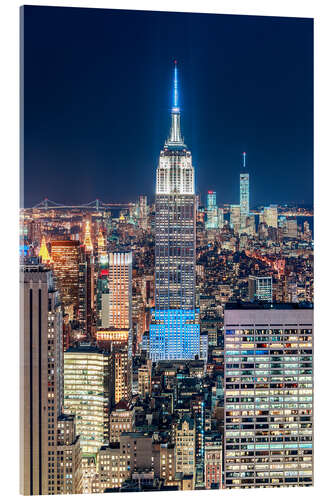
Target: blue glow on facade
24 249
175 334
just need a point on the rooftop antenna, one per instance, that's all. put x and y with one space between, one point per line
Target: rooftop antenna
244 159
175 87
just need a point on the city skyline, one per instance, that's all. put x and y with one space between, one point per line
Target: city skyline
81 113
166 340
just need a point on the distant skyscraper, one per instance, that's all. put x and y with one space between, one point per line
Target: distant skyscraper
244 200
102 284
87 237
270 216
235 217
43 471
260 288
292 231
120 290
86 292
175 331
212 211
268 404
143 212
66 256
220 218
211 200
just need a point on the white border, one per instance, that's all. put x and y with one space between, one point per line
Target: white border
321 10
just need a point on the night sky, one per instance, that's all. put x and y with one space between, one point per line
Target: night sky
97 99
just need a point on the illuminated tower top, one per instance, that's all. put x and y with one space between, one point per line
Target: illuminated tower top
87 238
101 242
244 167
44 253
175 138
175 173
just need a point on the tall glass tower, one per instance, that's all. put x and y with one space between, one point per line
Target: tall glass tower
212 211
175 329
244 193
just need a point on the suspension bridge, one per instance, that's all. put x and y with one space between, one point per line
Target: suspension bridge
96 205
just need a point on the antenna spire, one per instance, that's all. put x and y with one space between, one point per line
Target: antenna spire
175 106
175 138
244 159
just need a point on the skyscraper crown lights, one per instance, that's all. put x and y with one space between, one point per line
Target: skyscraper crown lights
175 138
175 172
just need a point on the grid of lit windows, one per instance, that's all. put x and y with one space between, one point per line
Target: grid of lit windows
174 334
86 394
268 406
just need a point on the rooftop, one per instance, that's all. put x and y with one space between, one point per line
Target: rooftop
268 305
86 347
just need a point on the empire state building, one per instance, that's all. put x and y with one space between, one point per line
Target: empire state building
175 329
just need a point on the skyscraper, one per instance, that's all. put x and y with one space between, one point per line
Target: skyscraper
212 211
66 256
86 292
260 288
268 395
43 445
269 215
143 212
87 393
220 218
120 289
118 342
87 237
244 193
175 331
235 217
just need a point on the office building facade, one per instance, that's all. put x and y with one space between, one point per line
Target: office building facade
213 461
66 256
116 342
120 290
269 216
268 407
87 393
260 288
212 211
185 446
42 472
235 218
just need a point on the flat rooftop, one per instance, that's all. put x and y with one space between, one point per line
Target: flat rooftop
268 305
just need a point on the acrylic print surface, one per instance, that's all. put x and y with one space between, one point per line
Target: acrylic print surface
166 251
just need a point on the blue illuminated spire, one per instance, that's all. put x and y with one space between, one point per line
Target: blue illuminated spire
244 160
175 107
175 139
